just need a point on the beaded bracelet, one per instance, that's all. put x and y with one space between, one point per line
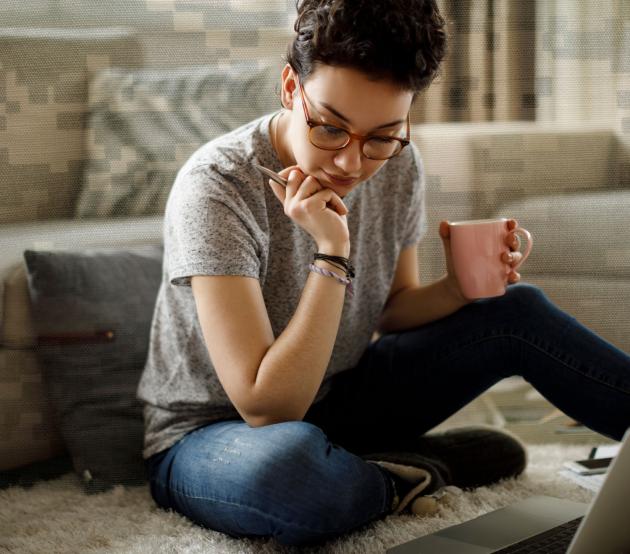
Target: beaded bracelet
338 278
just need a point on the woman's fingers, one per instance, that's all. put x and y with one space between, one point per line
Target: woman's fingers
332 201
294 180
514 277
512 258
301 187
512 239
445 230
278 190
307 188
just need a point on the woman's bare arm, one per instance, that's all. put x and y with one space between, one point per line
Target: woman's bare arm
267 380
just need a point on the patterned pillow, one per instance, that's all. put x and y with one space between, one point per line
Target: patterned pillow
144 124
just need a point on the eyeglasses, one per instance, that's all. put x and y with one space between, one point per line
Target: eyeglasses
329 137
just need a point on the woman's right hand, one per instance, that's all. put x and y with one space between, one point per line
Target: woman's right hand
317 209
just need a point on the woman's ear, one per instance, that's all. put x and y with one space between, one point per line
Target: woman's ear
289 87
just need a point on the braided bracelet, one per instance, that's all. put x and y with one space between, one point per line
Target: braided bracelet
339 266
334 260
338 278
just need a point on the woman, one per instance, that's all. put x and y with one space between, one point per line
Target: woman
268 411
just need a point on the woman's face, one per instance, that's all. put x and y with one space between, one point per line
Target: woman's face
345 98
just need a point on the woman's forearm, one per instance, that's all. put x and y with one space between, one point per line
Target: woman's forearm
416 306
293 368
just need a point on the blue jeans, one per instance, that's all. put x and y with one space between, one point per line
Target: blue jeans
303 482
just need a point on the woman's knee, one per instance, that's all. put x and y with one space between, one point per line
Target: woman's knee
286 480
526 296
324 490
523 306
525 290
286 452
287 443
248 451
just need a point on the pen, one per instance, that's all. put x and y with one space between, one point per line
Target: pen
272 175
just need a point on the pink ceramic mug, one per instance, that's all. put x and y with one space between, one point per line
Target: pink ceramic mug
477 247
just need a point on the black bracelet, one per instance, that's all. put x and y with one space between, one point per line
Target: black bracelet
344 262
347 266
337 265
339 259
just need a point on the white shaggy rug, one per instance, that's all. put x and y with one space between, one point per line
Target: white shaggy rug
55 516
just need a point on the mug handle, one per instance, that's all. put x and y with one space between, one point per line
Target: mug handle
528 249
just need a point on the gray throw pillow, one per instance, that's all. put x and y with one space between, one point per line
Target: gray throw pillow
93 312
144 124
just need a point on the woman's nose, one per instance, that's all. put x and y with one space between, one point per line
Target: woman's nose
348 159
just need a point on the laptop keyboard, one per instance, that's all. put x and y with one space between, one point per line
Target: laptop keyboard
554 541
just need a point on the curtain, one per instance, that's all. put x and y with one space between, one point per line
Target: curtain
583 62
489 72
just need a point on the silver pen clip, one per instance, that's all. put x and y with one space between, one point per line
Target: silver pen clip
271 174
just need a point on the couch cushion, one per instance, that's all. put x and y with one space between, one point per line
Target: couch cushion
27 430
44 76
18 330
144 124
494 163
538 157
575 234
61 234
599 303
93 311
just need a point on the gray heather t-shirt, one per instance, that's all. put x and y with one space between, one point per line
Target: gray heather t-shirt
222 218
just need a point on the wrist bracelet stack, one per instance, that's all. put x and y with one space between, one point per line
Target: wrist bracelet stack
340 262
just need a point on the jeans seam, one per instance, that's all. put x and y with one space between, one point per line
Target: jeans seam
573 368
275 517
170 491
540 349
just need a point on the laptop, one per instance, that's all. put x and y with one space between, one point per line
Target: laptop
603 527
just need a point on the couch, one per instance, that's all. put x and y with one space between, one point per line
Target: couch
85 113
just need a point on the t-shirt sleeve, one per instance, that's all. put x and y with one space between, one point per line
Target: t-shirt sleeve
209 232
416 225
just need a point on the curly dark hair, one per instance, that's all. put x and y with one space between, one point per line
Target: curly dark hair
400 40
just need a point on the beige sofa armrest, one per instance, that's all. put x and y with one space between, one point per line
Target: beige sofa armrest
475 156
473 168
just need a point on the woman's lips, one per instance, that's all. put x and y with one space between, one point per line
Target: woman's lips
345 181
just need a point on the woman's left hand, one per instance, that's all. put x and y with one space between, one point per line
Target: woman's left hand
511 258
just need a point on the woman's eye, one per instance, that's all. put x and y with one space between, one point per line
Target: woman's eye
333 131
381 140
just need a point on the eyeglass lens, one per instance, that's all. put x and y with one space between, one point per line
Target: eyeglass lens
332 138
